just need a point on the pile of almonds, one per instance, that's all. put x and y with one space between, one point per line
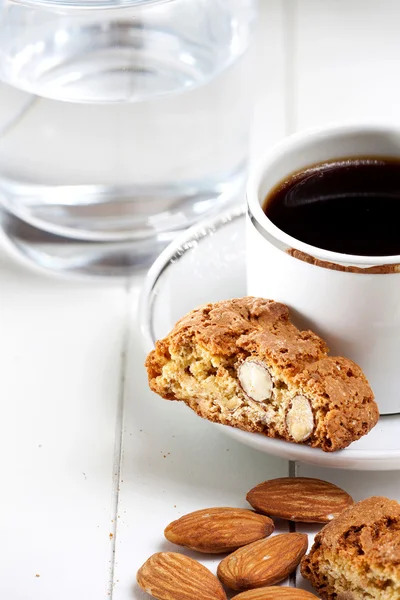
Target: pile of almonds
257 562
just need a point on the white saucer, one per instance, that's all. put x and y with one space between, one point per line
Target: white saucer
206 264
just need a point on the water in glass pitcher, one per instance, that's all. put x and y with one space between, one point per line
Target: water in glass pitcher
112 131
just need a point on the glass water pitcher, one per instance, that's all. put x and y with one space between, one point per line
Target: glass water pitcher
122 122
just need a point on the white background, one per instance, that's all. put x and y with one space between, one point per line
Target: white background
93 465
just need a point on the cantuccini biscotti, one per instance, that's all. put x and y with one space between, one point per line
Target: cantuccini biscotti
357 555
242 363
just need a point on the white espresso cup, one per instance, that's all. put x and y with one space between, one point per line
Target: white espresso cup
352 302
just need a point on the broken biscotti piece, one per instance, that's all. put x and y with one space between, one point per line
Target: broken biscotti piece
243 363
357 555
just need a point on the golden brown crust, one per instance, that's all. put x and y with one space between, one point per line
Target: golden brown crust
358 554
251 324
212 341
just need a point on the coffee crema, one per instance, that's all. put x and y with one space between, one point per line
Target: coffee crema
351 206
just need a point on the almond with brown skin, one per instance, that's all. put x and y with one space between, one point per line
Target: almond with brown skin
262 563
173 576
299 499
280 593
219 530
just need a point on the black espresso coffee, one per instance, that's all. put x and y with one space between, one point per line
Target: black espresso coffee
350 206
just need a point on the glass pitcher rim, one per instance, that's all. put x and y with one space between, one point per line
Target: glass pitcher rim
86 4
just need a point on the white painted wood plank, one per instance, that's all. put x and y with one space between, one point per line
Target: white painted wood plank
173 462
60 351
346 58
269 78
346 61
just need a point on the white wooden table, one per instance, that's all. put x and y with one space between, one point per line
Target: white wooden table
93 465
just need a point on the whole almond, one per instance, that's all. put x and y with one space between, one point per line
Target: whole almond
281 593
218 530
173 576
262 563
299 499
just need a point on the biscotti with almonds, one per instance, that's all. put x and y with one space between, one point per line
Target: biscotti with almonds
357 555
242 363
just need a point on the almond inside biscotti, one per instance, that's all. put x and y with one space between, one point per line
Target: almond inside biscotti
240 390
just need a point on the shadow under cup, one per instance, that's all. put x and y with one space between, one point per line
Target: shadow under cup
352 302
